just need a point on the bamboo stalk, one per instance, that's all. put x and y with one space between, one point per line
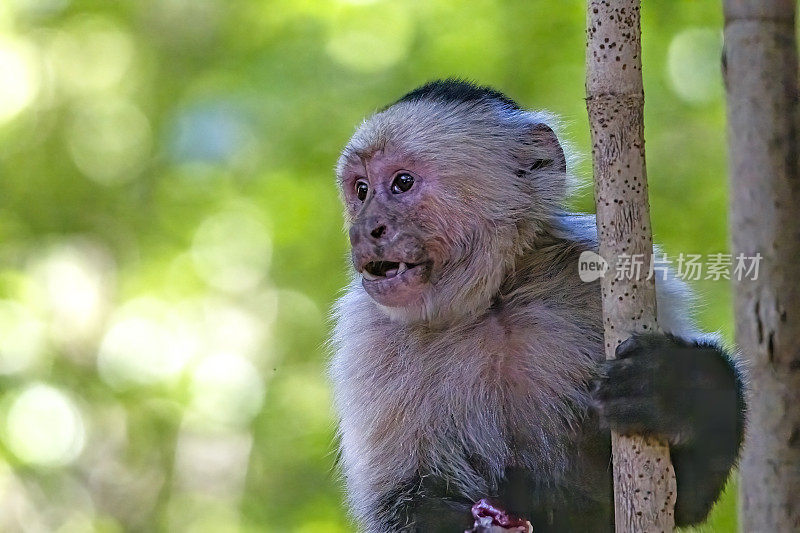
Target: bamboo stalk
644 480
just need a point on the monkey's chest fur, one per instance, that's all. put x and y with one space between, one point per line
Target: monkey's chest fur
462 405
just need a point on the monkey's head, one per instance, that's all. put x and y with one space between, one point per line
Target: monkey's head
442 191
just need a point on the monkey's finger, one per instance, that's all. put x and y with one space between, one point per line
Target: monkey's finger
629 415
615 367
631 385
640 368
627 348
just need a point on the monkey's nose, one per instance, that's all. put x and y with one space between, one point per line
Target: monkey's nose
369 230
378 232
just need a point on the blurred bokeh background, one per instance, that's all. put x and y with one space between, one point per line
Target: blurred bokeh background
171 243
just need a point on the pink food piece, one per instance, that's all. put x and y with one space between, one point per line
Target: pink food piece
489 517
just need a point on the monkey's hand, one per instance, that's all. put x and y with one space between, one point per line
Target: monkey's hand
687 392
667 386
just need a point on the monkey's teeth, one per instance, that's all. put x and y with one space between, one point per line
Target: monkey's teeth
388 274
369 277
392 272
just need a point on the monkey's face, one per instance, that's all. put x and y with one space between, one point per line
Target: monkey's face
394 231
421 238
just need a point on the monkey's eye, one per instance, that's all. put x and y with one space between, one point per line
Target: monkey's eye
361 189
402 182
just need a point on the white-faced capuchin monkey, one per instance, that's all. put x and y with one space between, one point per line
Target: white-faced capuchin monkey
469 359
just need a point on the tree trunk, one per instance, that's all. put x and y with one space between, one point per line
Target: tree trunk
761 76
644 480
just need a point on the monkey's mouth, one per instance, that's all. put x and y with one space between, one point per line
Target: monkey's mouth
378 270
395 283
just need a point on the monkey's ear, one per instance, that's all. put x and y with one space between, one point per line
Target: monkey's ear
541 150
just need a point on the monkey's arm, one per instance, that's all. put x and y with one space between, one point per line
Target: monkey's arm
688 392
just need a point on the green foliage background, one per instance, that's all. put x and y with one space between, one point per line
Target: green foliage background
171 242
